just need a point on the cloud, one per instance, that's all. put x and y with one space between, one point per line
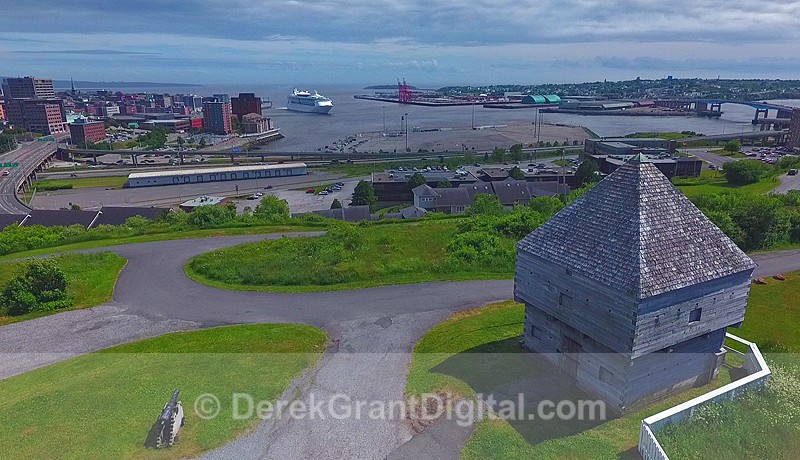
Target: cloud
88 52
566 39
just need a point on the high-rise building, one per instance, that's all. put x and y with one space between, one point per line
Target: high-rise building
163 100
44 116
244 104
28 88
217 116
222 97
83 130
31 104
192 101
794 130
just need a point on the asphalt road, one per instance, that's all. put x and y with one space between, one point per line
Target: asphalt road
372 333
711 158
28 155
788 183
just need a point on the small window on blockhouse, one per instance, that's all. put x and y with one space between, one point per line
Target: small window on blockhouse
694 315
564 301
536 332
605 375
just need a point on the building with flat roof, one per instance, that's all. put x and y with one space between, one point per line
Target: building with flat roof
45 116
28 88
793 140
172 124
217 116
455 200
253 123
244 104
218 174
629 290
195 203
82 131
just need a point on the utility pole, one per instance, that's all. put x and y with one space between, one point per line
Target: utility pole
406 116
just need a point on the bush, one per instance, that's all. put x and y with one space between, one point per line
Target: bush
485 205
745 171
733 146
272 209
212 216
40 286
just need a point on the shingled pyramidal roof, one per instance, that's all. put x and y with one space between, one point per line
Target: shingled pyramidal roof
636 233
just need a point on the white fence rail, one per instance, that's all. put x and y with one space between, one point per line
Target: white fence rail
757 375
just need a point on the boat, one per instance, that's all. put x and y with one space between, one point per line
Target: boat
266 103
303 101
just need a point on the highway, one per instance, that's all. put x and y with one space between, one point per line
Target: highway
29 155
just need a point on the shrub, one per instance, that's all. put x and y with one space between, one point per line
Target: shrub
272 209
745 171
485 205
40 286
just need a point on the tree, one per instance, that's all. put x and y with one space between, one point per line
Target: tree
516 152
444 184
364 194
180 141
498 155
7 143
416 180
40 286
236 125
733 146
336 204
202 142
587 172
744 172
516 173
485 205
272 209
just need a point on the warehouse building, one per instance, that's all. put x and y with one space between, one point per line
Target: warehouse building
197 176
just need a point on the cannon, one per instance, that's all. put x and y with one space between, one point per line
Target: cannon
165 430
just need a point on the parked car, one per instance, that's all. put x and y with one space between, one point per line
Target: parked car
324 192
792 172
311 190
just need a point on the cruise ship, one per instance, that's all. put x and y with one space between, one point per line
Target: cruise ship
303 101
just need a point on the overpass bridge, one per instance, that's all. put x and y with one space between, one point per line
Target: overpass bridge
778 135
713 107
29 158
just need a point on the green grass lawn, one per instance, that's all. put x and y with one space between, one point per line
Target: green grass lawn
773 315
176 235
102 405
115 182
90 280
727 153
758 425
714 182
494 329
389 254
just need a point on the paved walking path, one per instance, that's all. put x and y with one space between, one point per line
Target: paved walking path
373 329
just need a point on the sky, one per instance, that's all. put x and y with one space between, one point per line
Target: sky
427 42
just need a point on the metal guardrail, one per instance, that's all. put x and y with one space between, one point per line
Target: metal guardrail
758 374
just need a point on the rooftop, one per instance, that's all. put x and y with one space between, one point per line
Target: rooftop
217 170
636 233
203 201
